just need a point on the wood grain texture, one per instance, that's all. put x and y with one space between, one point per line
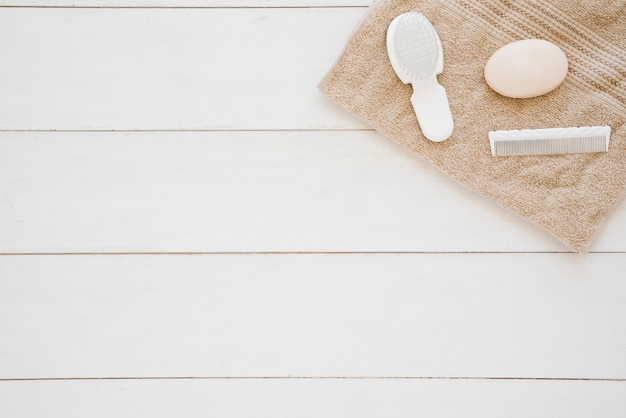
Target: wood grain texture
245 192
269 166
374 315
170 69
313 398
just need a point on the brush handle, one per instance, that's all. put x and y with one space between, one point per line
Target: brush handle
432 109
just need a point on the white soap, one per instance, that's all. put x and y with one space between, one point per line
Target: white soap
527 68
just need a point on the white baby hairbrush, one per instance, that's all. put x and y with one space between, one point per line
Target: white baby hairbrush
416 56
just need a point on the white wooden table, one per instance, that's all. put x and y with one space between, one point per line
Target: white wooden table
189 229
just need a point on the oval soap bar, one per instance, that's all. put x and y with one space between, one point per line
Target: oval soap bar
527 68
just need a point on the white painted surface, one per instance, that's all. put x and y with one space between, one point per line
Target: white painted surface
170 68
215 140
314 398
415 315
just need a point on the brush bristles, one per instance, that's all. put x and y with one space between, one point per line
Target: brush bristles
550 141
415 47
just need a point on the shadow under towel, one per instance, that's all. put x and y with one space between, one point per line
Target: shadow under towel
567 195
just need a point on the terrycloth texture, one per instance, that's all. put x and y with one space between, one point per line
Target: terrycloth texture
567 195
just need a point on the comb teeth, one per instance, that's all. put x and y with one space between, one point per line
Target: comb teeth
550 141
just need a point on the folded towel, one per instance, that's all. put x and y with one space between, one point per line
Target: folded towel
567 195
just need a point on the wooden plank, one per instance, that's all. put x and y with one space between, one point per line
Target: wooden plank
380 315
185 3
313 398
169 69
245 192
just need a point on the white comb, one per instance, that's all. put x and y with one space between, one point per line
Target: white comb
416 56
550 141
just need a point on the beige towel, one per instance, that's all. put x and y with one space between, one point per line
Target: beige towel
567 195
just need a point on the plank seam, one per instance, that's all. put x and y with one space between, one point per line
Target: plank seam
182 130
586 379
176 253
180 7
